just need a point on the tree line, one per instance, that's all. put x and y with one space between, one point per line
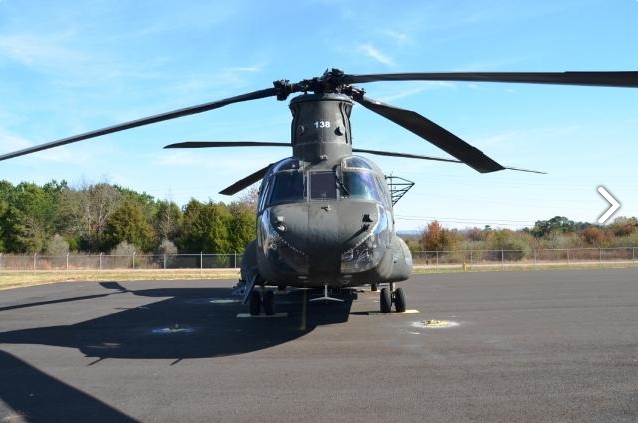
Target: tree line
56 218
558 232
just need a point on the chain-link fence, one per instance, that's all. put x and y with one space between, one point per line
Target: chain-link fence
531 257
69 262
422 259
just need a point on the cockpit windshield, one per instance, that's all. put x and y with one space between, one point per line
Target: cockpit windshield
288 186
292 185
361 185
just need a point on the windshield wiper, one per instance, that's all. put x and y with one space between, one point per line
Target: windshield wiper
342 186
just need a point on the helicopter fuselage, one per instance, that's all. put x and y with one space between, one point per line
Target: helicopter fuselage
329 223
324 215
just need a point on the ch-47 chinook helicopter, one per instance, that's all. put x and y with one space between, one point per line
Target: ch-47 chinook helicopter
325 216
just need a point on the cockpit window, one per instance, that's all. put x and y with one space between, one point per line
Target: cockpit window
287 186
361 185
323 185
357 162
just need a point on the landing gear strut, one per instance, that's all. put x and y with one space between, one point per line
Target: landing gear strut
257 301
389 296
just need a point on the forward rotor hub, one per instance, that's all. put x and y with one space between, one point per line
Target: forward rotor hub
331 82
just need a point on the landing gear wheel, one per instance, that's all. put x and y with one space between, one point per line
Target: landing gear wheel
269 303
399 300
385 300
255 303
374 287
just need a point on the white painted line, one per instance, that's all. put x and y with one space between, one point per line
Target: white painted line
374 313
248 315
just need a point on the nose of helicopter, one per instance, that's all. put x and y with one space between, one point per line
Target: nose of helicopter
326 234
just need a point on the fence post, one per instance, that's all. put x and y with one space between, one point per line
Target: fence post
201 262
100 268
600 256
534 256
133 260
567 256
67 262
234 259
164 261
633 256
34 262
502 259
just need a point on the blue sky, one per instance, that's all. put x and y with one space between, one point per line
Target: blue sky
69 67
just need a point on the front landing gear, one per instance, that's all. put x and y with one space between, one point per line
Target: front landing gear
257 301
389 296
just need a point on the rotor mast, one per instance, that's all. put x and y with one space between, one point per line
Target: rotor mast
320 128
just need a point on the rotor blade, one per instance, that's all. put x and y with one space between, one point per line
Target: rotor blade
433 133
518 169
404 155
144 121
604 79
246 182
439 159
212 144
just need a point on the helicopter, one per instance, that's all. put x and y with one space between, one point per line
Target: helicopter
324 215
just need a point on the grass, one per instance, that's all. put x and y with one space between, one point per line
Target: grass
15 279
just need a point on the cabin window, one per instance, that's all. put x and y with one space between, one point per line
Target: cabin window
323 185
361 185
287 186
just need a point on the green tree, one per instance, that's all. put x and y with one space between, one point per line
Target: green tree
205 228
509 245
6 190
29 217
241 225
559 224
128 223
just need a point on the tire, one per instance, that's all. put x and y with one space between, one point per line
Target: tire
269 303
385 300
255 303
399 300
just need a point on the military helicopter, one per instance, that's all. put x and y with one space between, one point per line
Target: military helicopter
325 216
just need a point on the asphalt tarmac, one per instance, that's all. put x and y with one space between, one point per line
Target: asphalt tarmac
496 347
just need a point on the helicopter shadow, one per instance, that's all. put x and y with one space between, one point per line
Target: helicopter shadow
37 397
184 323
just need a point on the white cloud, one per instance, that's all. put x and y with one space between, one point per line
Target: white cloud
38 51
400 38
374 53
419 88
11 142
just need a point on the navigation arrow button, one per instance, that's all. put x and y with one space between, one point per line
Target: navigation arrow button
615 205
